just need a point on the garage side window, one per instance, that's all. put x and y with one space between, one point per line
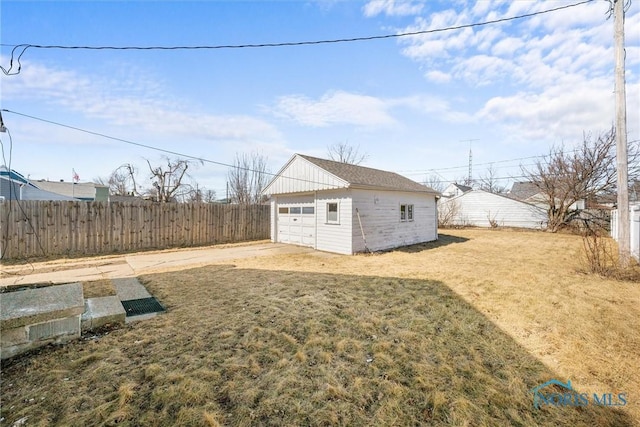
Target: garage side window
406 212
282 210
332 213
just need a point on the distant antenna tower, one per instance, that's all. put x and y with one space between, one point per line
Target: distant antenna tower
470 164
470 176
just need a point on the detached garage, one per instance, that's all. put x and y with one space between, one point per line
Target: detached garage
338 207
480 208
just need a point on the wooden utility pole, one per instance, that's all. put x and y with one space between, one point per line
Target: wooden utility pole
621 135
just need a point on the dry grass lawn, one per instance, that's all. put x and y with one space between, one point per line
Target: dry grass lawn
98 288
449 333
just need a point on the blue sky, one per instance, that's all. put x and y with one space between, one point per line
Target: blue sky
411 103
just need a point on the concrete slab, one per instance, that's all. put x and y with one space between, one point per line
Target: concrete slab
75 274
31 318
31 306
128 266
102 311
130 288
199 257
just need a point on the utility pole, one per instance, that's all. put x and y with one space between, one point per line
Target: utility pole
621 135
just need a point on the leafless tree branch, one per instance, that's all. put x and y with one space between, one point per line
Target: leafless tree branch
247 178
567 176
345 153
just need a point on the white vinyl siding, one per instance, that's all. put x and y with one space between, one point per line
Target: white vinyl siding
300 175
334 237
479 208
381 223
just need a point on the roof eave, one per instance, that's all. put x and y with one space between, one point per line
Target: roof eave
406 190
266 191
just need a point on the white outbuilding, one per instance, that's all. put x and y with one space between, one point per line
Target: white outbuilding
343 208
479 208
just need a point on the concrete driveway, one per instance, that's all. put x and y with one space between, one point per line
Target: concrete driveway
132 265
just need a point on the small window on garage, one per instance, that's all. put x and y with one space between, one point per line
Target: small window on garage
332 213
308 210
406 212
293 210
282 210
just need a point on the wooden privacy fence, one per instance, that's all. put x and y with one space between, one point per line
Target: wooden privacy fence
49 228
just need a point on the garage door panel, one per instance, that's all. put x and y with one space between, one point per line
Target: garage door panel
308 240
296 222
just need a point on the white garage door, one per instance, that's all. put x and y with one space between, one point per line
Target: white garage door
297 224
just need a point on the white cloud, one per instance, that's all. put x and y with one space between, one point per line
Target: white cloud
335 108
432 106
132 101
483 69
392 8
575 40
507 46
342 108
549 77
486 37
553 112
437 76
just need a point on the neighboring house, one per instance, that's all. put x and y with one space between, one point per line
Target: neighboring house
528 192
85 191
454 190
14 186
343 208
480 208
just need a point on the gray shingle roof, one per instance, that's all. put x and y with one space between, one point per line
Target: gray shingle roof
523 190
367 177
463 188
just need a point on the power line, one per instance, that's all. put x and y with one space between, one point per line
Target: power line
175 153
435 170
539 156
18 201
204 160
162 150
22 48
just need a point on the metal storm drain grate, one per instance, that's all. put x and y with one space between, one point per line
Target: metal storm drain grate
136 307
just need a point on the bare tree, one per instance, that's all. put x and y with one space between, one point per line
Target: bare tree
167 180
567 176
448 213
122 181
435 182
199 194
345 153
247 178
489 181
